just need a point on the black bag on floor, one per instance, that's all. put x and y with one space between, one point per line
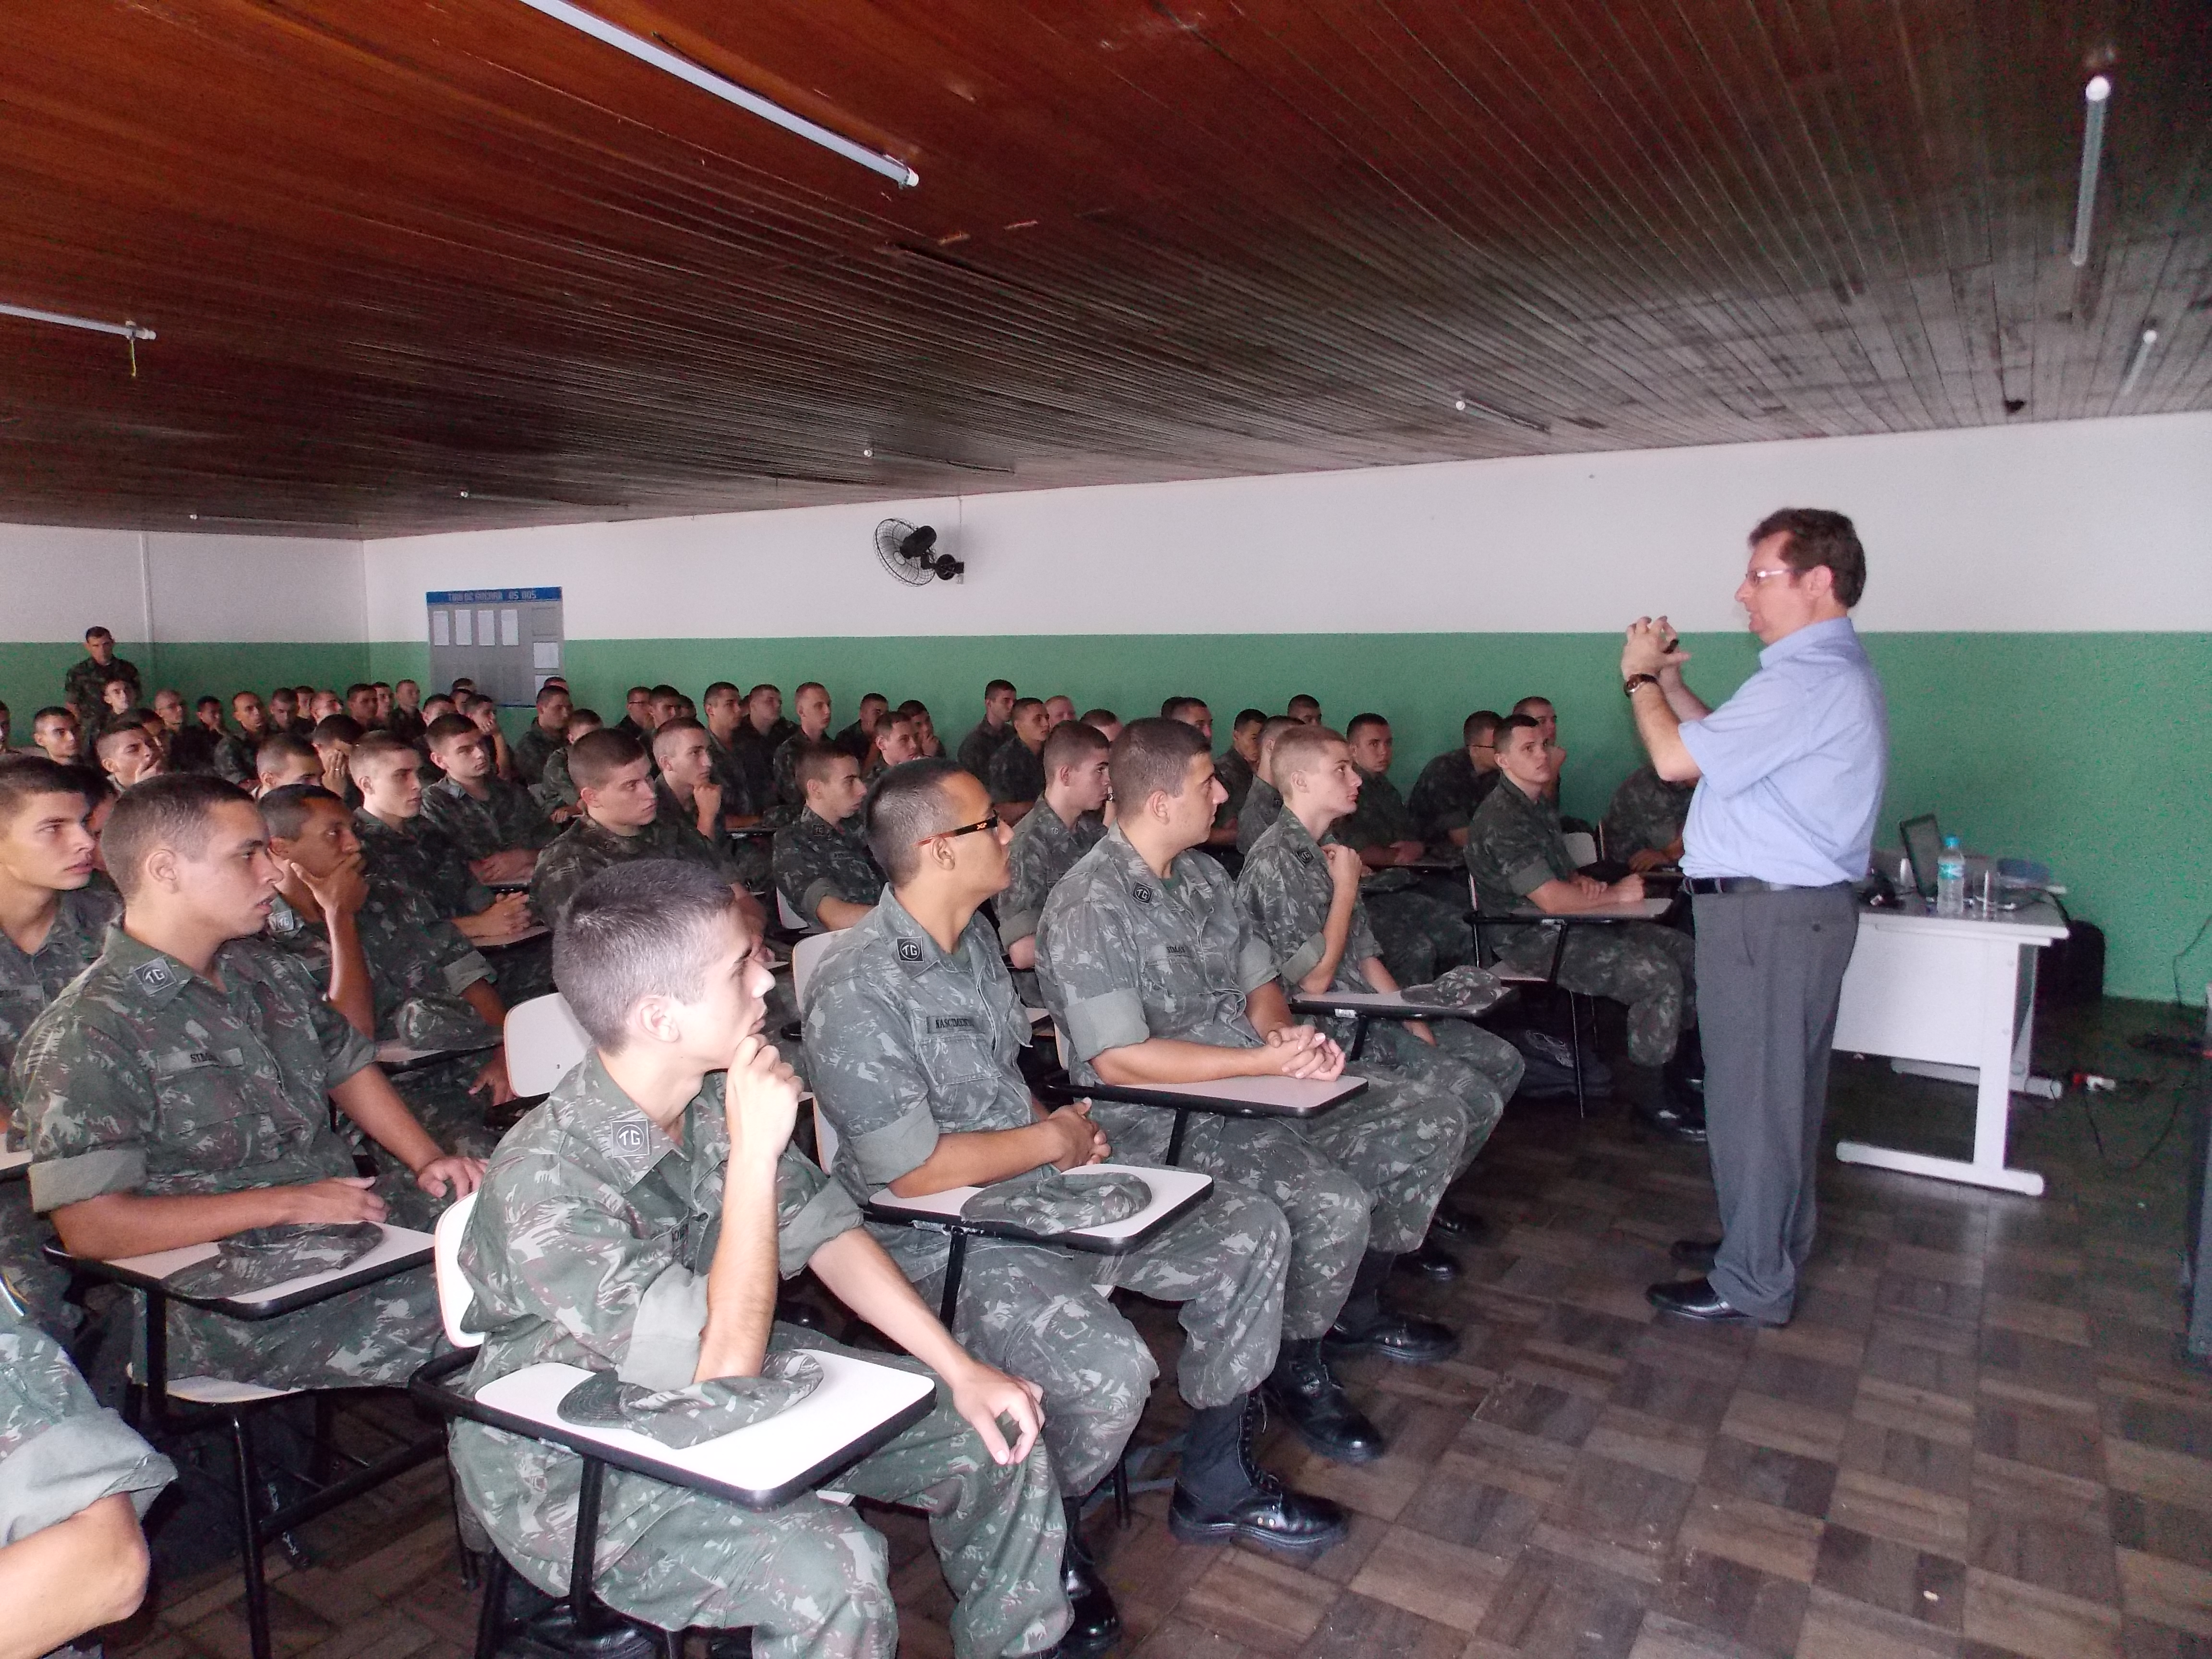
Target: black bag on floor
1551 1069
2072 970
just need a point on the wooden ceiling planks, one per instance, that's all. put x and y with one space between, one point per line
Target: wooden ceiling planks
428 264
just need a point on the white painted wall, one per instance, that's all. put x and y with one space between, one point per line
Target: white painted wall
183 588
2086 526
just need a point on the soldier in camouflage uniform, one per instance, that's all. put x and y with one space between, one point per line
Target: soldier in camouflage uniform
1263 801
410 976
1421 925
823 870
1234 766
404 850
74 1484
732 754
1126 955
546 736
913 1046
54 923
1643 822
1518 857
235 753
498 825
813 705
621 820
615 1237
202 1083
554 790
84 688
1017 773
1454 784
1048 842
1299 892
975 750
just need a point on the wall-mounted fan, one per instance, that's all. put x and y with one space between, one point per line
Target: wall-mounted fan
909 553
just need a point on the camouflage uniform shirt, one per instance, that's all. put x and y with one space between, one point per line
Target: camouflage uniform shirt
143 1077
816 860
1017 773
507 816
418 857
747 793
555 789
60 1452
531 750
1514 846
1043 849
783 777
1646 812
978 745
1263 801
1380 818
1236 775
588 846
1446 794
590 1246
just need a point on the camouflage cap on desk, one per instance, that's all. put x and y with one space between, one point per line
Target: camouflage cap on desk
255 1260
687 1417
1469 988
1048 1201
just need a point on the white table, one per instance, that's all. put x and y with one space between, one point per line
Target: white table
1952 997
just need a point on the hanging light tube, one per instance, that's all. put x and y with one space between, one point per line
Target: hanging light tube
127 330
2144 342
2094 96
670 63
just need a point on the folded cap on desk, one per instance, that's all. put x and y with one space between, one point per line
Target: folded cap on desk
685 1417
436 1023
1470 988
1048 1201
255 1260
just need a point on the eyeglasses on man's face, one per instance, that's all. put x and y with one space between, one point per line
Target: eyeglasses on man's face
990 822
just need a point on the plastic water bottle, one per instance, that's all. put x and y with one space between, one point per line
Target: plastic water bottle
1951 878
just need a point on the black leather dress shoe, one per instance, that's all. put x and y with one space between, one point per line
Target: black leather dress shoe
1396 1336
1674 1122
1696 1298
1697 1253
1428 1262
1314 1403
1270 1514
1095 1623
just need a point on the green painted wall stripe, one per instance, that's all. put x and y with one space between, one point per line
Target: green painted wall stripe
2091 750
31 672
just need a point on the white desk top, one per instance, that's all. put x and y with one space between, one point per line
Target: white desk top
1169 1188
1649 910
399 1054
2038 921
1291 1096
399 1243
1372 1002
854 1398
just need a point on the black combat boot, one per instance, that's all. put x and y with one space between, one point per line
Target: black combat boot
1097 1624
1221 1494
1366 1325
1313 1402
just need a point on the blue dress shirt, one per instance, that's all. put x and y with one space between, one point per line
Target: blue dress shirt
1791 766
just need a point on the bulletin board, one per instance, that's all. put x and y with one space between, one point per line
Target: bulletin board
508 639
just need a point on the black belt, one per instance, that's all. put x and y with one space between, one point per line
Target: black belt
1750 884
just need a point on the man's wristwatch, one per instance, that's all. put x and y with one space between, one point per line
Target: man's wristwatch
1628 686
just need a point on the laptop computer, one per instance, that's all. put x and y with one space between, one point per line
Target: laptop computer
1923 841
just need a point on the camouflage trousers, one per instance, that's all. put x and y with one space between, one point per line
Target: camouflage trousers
1421 935
377 1336
1653 970
1400 1141
1478 1068
1037 1312
811 1578
1327 1208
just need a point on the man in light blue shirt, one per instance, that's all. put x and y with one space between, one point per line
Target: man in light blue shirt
1789 776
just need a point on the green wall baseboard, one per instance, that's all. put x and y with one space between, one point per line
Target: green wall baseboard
31 672
2089 751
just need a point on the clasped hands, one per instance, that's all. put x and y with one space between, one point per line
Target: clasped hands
1650 645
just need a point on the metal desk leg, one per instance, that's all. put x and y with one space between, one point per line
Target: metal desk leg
1175 1136
1358 1038
953 1263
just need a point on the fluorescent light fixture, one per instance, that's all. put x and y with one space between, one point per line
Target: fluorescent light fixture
1468 405
2144 342
131 332
675 63
2094 97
